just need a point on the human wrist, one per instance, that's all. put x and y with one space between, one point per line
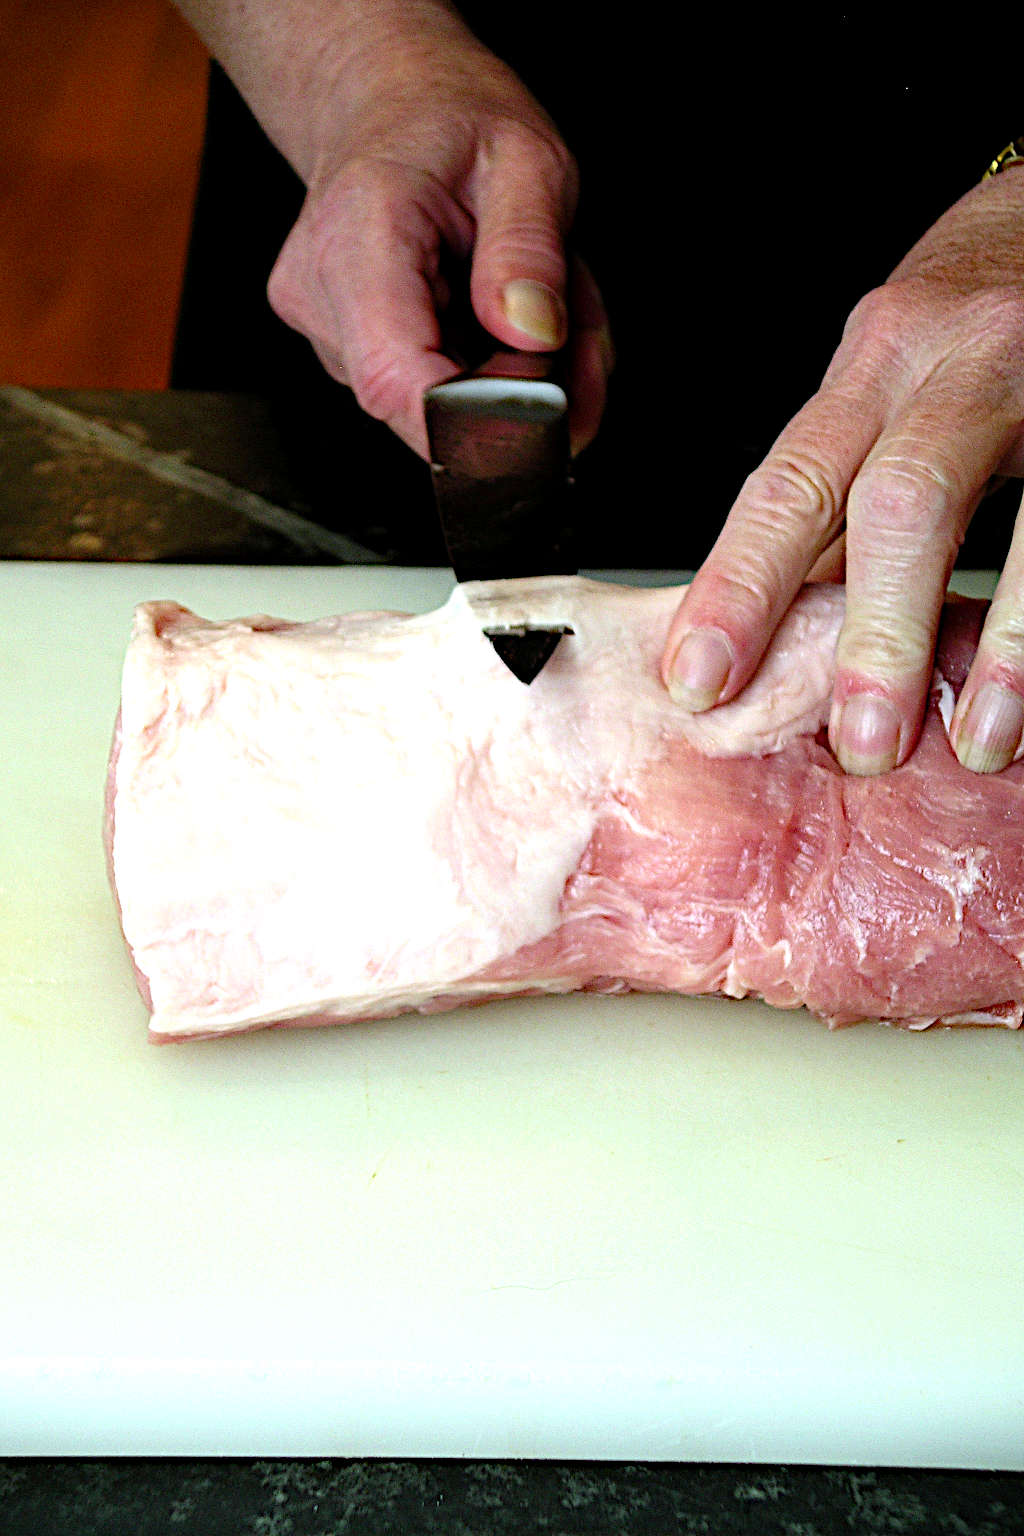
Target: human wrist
304 64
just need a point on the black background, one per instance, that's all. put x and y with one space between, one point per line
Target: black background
746 177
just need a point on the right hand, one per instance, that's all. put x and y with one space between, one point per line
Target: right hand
429 151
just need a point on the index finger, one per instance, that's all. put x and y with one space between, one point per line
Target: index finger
789 511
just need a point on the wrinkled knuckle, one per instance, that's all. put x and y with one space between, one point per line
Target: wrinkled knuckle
881 318
879 308
796 487
902 491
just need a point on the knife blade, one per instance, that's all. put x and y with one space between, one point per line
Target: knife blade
499 449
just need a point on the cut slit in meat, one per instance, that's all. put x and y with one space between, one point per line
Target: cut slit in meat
365 815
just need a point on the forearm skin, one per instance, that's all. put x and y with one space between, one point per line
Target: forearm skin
291 58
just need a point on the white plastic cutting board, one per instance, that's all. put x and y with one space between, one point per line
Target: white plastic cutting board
597 1227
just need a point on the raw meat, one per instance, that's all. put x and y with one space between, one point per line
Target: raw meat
350 818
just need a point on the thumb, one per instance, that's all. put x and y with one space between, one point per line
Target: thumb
525 204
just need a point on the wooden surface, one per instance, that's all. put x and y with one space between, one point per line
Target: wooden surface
66 497
101 124
189 476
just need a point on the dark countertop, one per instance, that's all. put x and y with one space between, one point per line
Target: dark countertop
207 478
480 1498
175 476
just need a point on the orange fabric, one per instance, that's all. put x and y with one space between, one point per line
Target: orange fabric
101 125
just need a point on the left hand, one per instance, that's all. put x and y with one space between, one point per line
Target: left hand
922 404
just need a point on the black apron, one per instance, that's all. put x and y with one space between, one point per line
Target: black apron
739 194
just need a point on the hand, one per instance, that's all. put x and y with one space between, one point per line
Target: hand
921 406
431 151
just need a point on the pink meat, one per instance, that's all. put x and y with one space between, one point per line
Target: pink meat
368 815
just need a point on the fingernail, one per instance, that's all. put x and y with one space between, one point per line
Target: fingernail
990 732
866 737
534 309
700 670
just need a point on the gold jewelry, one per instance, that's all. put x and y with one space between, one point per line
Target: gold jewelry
1013 154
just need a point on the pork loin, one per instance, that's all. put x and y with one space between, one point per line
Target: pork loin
368 814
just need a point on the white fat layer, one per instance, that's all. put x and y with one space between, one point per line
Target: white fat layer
338 810
943 698
946 703
350 1009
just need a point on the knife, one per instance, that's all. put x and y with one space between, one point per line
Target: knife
499 451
